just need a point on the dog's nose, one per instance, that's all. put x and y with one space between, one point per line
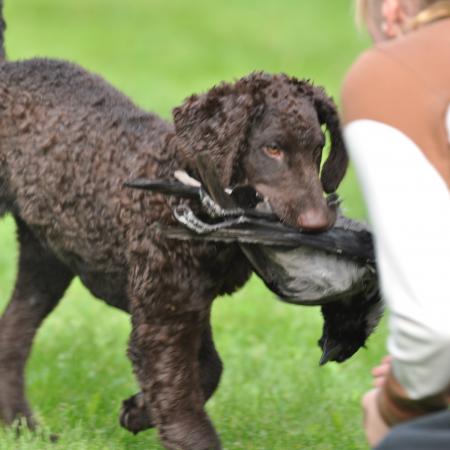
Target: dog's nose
315 219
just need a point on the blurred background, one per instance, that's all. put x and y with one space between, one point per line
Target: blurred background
273 395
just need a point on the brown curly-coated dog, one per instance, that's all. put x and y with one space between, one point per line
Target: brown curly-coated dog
68 141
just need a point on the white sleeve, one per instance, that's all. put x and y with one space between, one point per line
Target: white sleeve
409 209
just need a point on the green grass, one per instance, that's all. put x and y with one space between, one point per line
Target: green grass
273 395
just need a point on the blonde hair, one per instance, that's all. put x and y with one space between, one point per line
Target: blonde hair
361 12
431 11
427 11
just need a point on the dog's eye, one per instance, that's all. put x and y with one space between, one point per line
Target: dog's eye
273 152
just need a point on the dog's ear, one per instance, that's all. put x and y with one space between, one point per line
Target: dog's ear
217 123
336 165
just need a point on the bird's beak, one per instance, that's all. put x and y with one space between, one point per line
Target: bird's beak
330 351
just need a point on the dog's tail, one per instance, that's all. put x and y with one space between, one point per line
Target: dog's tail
2 34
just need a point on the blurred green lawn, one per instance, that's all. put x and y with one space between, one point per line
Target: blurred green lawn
273 395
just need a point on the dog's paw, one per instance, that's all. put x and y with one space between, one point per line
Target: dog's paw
133 414
15 413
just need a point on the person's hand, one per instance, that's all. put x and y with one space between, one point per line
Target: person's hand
374 425
380 372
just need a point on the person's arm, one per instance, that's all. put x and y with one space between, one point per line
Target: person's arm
409 208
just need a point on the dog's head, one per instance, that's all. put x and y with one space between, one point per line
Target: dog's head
265 131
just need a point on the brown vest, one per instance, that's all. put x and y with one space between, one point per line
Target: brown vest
405 83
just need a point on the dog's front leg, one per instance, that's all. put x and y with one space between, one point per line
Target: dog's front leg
134 415
164 350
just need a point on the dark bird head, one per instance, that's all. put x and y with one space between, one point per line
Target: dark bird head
348 324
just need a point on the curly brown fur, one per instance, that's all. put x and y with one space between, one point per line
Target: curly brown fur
68 142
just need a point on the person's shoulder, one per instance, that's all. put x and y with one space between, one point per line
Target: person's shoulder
370 82
358 70
366 73
364 65
374 65
390 60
